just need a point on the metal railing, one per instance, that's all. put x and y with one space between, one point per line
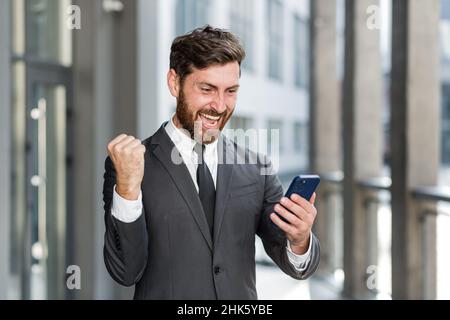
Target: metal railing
428 199
330 211
376 197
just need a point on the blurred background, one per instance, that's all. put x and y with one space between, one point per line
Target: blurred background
359 89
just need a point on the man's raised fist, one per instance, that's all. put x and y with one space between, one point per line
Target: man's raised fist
127 155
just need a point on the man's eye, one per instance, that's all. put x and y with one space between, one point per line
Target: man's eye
206 89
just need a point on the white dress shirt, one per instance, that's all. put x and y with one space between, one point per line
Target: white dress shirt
129 211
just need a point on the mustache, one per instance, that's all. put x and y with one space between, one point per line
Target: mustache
213 113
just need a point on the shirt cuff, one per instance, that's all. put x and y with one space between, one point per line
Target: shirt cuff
299 261
125 210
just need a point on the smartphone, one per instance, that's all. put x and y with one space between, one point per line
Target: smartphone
304 186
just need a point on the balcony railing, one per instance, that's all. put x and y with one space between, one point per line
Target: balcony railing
376 199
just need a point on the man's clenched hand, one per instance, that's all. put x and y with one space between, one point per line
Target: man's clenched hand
127 155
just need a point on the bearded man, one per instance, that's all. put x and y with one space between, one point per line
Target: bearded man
182 207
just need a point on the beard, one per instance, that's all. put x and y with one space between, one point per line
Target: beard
188 121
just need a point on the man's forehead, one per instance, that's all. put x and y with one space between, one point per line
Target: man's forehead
227 74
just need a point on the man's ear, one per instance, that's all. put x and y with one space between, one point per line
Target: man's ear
173 82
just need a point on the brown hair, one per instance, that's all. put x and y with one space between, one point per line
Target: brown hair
204 47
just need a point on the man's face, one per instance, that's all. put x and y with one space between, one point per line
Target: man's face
207 100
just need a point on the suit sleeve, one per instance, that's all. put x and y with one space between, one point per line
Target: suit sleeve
126 244
274 239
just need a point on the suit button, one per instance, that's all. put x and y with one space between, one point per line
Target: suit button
217 270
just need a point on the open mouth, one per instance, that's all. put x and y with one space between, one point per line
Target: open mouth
209 121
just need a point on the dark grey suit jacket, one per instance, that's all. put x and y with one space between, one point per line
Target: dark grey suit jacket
168 253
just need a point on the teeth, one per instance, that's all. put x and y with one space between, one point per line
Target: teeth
210 117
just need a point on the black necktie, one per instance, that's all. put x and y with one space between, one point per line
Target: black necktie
206 189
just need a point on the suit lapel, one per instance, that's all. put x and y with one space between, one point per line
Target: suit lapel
182 179
224 176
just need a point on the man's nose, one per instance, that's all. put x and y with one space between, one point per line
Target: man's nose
218 104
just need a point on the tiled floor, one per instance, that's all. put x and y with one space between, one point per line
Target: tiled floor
273 284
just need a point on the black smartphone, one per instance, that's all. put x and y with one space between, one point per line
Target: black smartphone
304 186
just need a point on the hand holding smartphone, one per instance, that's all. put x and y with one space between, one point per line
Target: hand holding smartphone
304 186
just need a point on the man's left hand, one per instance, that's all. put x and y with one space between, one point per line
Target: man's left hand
300 213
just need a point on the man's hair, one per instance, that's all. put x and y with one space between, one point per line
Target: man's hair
204 47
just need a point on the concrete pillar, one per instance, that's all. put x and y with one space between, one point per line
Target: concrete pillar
5 140
415 123
83 223
147 72
124 41
325 137
105 76
362 129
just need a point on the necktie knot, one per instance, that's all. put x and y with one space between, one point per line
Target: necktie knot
199 149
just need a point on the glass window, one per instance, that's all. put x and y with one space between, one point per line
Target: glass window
41 41
275 38
191 14
239 122
241 23
445 147
241 131
445 30
301 137
274 127
47 35
301 54
445 68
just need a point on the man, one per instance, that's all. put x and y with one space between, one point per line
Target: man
180 217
